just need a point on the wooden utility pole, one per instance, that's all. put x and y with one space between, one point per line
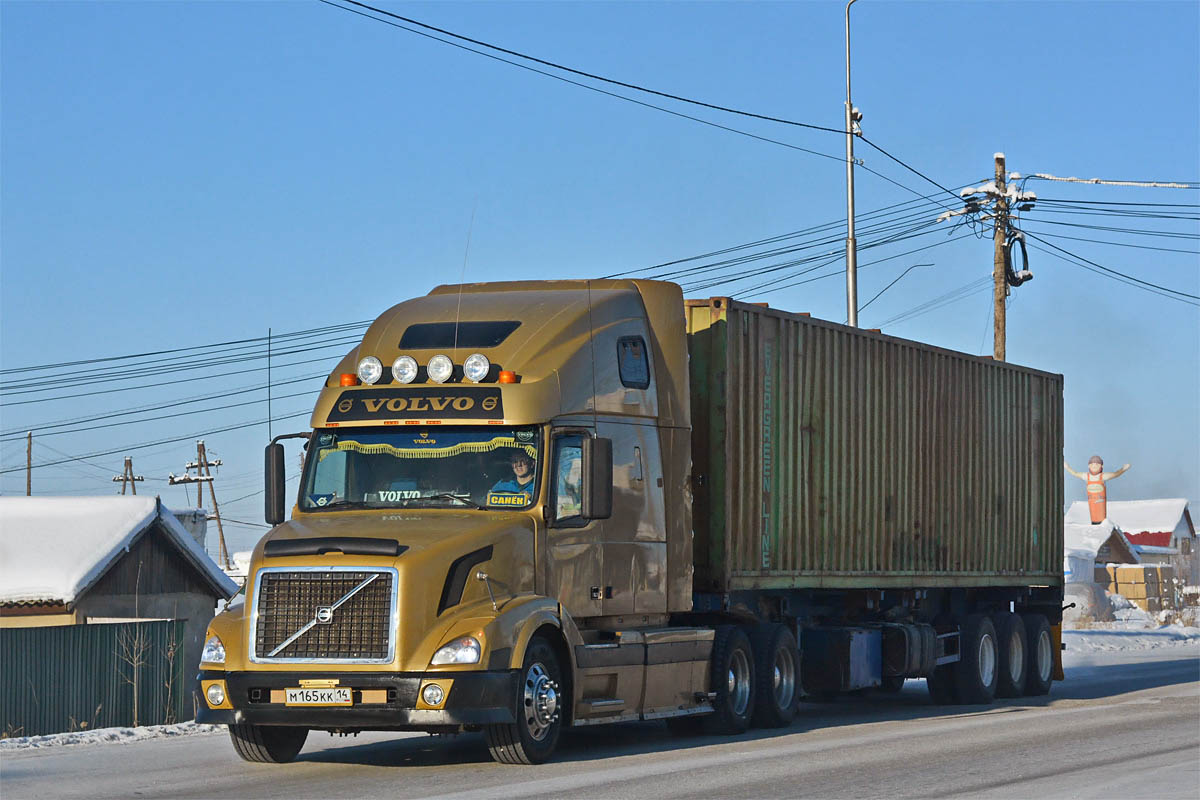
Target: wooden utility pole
29 464
127 477
204 475
999 264
202 463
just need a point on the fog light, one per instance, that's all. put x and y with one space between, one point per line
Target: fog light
433 695
216 695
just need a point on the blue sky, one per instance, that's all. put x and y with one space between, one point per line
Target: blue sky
178 174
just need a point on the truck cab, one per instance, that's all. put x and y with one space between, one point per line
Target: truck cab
491 530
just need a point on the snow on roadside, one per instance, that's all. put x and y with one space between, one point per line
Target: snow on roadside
110 736
1128 635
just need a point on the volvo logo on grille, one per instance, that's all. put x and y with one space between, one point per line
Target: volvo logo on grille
324 615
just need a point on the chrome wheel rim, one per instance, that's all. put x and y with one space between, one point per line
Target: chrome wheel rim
738 682
785 678
1045 656
987 659
540 701
1016 656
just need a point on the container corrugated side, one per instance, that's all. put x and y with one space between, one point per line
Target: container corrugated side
826 456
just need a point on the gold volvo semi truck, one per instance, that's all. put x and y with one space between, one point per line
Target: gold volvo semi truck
529 506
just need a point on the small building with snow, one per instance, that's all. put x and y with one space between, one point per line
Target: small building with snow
1161 532
81 560
1087 546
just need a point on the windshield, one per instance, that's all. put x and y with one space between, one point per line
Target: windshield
442 466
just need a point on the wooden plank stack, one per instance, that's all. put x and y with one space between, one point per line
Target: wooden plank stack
1150 587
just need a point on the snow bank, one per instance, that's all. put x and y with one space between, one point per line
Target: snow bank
1116 636
110 736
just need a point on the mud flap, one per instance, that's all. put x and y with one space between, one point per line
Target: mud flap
1056 635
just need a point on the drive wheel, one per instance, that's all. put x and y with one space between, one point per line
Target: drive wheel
976 671
732 682
1010 641
533 737
777 680
267 744
1039 655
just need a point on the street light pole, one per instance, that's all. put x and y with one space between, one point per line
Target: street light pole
851 245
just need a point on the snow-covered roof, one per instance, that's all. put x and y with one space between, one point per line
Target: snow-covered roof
1085 539
1151 550
1147 516
52 549
1136 516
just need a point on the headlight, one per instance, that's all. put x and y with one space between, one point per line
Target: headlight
460 651
476 367
440 369
214 651
370 370
216 695
404 369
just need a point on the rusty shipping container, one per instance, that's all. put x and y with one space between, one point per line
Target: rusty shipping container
831 457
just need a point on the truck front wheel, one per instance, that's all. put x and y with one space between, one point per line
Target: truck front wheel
534 736
732 682
267 744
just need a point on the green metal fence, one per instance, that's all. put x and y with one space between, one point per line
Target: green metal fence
80 677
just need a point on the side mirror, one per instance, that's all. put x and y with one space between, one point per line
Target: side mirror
598 467
274 484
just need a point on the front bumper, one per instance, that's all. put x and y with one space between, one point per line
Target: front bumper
475 698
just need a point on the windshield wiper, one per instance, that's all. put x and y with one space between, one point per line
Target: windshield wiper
448 496
342 502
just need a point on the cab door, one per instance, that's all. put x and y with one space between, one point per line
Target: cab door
575 544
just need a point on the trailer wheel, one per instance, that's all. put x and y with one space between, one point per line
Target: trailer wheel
1039 654
940 683
267 744
534 736
732 681
777 679
1010 641
976 671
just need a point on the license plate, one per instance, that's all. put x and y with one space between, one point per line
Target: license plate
317 697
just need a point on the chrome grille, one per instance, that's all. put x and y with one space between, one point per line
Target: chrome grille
360 629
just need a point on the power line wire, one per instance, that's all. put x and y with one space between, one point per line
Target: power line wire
581 73
157 443
1165 291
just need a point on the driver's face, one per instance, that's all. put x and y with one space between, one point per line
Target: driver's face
521 467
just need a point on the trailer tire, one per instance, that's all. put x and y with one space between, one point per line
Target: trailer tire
777 682
1013 664
267 744
940 683
732 680
976 670
1039 653
534 736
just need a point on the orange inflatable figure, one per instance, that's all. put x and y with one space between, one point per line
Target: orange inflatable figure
1095 479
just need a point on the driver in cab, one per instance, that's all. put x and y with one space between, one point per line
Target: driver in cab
522 480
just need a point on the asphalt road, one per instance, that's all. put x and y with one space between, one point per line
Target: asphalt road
1123 725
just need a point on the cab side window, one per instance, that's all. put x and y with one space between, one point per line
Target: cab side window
633 362
567 481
